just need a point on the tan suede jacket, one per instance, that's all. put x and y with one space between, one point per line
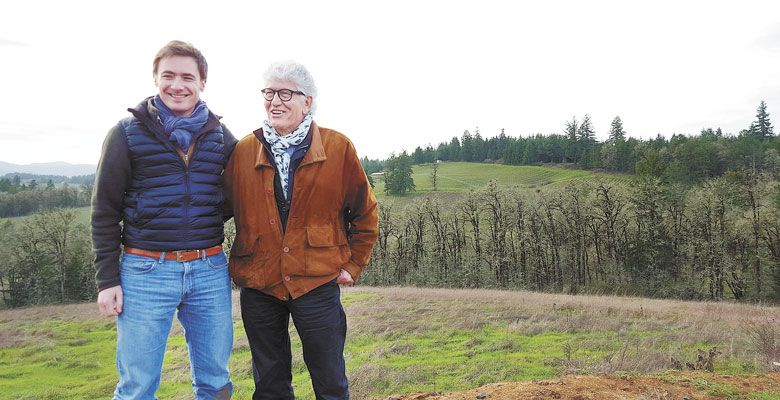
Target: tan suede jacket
329 181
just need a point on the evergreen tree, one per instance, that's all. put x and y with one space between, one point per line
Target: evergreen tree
418 155
586 134
478 153
467 147
429 155
443 152
571 129
586 139
616 132
762 127
455 150
571 149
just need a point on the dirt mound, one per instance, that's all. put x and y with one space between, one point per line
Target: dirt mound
677 386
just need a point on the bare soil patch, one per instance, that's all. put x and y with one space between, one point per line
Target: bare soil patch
690 385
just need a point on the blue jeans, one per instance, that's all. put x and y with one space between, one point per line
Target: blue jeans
154 289
322 326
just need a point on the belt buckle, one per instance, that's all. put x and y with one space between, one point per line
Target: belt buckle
181 255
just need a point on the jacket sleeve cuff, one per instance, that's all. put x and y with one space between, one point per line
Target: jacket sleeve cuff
102 285
353 269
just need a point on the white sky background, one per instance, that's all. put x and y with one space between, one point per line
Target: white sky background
393 75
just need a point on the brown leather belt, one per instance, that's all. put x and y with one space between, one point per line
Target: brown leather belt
178 255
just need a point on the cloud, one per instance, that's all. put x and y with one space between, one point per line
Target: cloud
6 42
770 40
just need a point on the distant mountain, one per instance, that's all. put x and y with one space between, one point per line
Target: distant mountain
50 168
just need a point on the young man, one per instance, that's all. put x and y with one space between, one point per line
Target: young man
159 193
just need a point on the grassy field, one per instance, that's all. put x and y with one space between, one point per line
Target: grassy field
462 177
404 340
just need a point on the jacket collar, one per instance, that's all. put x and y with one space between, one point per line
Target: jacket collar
315 154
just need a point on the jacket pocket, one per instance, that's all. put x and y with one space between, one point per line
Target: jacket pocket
246 263
144 212
327 250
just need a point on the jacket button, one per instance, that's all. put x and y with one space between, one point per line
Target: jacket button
287 278
269 190
273 221
286 249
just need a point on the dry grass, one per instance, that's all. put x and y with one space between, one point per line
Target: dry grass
67 312
650 333
403 308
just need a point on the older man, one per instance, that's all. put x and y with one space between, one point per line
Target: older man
306 221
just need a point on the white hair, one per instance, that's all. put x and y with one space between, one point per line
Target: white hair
295 73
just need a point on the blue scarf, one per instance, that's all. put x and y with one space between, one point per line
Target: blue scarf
181 129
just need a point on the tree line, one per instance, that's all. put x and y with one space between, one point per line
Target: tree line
37 199
681 158
720 240
19 198
18 181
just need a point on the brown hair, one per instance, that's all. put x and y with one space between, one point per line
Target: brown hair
179 48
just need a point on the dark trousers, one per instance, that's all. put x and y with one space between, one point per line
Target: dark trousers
322 327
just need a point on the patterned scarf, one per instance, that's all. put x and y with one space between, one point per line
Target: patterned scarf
280 144
181 129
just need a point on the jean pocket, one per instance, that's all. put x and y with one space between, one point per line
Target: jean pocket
217 261
136 265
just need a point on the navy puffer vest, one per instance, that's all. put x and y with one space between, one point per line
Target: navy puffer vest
169 205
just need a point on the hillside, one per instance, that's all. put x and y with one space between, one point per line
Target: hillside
463 176
403 341
49 168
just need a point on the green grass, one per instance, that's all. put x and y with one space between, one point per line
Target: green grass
404 340
60 351
462 176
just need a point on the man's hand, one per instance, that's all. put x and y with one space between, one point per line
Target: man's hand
110 301
345 278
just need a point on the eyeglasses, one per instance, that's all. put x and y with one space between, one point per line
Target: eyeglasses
284 94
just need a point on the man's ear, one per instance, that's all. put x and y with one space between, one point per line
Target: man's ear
308 102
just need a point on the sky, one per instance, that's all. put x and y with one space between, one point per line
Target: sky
393 75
